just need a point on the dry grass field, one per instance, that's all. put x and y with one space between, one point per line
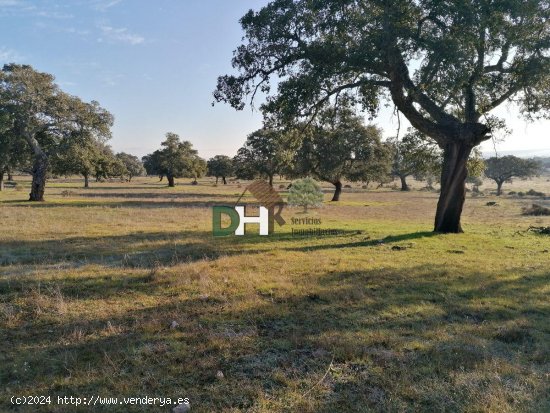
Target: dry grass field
385 318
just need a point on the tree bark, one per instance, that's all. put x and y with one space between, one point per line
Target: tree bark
1 181
453 187
223 180
337 190
499 188
404 186
10 176
39 173
271 181
171 182
86 181
217 180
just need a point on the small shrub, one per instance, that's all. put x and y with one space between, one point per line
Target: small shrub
521 194
536 210
347 186
532 192
306 193
67 193
512 193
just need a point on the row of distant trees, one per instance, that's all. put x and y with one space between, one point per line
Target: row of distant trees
45 131
339 147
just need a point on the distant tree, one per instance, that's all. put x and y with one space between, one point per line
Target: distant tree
267 152
503 169
132 164
198 168
445 65
151 163
306 193
220 166
176 159
545 163
414 155
13 153
476 167
76 157
107 165
339 146
44 116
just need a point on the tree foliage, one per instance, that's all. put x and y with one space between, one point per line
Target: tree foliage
266 153
503 169
444 64
176 159
220 166
132 165
45 117
338 146
413 155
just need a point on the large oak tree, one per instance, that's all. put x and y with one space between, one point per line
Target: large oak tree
444 64
45 116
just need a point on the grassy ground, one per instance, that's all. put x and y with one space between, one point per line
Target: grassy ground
387 318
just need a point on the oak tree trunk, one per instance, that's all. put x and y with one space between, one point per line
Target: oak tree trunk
216 180
10 176
337 190
499 188
223 180
86 181
271 180
404 186
39 173
453 187
171 182
1 180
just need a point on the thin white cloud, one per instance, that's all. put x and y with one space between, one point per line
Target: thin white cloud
9 55
104 5
120 35
45 10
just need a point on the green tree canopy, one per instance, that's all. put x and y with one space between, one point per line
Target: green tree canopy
505 168
444 64
44 116
13 153
132 165
176 159
266 153
220 166
413 155
339 146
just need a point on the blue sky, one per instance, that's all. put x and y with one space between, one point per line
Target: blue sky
154 65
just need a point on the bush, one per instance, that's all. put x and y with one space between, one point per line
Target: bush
536 210
532 192
306 193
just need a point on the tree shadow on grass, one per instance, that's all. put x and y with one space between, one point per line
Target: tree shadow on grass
390 239
391 340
